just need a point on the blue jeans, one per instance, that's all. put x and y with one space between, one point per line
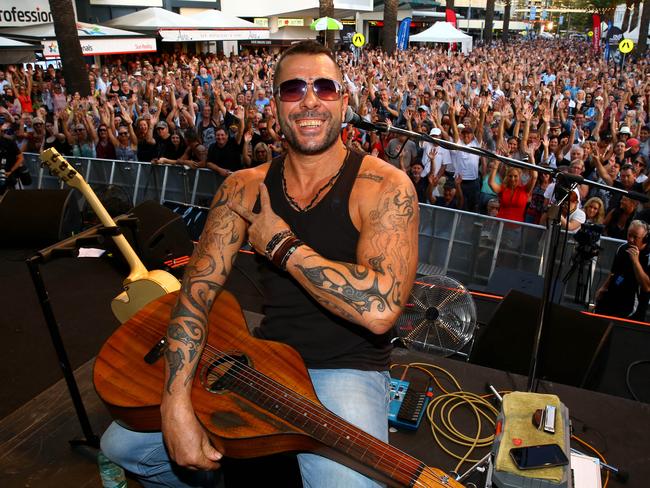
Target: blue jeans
360 397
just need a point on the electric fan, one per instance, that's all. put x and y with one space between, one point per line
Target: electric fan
439 317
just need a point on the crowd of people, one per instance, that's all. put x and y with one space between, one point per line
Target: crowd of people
335 281
554 104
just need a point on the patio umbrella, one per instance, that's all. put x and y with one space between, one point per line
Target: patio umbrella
326 24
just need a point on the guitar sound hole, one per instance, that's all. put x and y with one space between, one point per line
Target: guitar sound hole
220 374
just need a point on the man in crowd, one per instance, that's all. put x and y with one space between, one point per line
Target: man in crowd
626 291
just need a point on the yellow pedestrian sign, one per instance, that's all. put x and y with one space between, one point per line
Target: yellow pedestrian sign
626 46
358 39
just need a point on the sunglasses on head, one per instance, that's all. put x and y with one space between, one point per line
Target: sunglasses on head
296 89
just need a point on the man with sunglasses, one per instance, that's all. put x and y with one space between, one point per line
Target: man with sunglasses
336 236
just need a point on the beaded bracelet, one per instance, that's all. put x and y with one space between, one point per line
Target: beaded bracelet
279 255
275 240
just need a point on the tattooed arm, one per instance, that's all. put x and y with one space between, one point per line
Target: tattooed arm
373 291
206 273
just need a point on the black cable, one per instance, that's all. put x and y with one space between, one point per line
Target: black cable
628 371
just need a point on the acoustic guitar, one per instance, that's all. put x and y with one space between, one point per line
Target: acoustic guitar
253 397
140 286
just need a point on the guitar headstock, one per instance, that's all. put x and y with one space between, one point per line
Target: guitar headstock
59 167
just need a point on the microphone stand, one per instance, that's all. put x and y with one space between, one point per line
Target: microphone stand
565 181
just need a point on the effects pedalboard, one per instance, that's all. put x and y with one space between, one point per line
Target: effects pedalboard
407 406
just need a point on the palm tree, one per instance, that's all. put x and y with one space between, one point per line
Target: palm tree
635 15
326 9
506 20
449 4
489 21
643 29
626 15
390 25
65 28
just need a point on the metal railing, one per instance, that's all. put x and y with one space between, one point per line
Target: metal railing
466 246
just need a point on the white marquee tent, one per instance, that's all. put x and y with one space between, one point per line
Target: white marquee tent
95 39
13 52
154 18
210 25
444 32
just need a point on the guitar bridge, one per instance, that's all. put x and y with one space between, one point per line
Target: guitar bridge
156 351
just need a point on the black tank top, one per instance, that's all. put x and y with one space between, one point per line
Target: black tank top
292 316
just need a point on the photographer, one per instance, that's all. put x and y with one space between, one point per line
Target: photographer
626 291
11 160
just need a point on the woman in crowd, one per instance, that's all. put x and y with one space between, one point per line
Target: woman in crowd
513 194
536 207
594 210
82 136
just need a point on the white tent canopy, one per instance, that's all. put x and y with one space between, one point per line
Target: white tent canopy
13 52
154 18
207 26
222 27
95 39
219 20
444 32
46 31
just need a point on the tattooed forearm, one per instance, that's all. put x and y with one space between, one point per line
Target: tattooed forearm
360 295
371 292
204 275
175 360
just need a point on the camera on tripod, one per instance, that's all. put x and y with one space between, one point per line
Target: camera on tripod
587 239
583 262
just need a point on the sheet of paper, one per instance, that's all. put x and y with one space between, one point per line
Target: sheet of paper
586 471
90 252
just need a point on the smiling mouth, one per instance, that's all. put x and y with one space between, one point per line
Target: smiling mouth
309 123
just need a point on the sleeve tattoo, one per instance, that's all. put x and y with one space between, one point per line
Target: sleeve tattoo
202 282
380 285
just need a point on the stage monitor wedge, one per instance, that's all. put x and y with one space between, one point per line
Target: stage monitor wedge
570 348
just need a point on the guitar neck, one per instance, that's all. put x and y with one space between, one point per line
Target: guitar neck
137 269
339 435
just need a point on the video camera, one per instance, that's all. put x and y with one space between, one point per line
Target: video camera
587 239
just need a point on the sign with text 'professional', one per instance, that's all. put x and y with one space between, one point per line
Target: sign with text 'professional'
23 13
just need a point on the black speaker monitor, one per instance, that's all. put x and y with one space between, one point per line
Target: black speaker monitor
161 234
37 218
571 341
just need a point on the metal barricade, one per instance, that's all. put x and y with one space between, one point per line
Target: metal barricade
463 245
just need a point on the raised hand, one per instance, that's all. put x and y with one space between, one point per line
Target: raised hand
263 225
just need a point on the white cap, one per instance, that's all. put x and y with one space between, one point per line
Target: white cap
625 130
435 132
460 126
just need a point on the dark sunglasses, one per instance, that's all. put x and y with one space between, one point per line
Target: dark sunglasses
123 134
296 89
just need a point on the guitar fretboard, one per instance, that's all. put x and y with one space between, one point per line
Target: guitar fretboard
321 424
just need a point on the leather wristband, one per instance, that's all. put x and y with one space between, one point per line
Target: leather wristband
292 249
279 254
275 240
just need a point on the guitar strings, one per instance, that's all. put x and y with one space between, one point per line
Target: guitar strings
299 404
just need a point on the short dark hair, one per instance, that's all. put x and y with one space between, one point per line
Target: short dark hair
302 47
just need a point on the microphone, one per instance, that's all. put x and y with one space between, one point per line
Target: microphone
355 119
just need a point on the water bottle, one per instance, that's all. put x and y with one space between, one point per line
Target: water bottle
111 474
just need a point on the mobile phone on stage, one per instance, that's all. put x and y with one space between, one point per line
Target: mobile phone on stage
541 456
